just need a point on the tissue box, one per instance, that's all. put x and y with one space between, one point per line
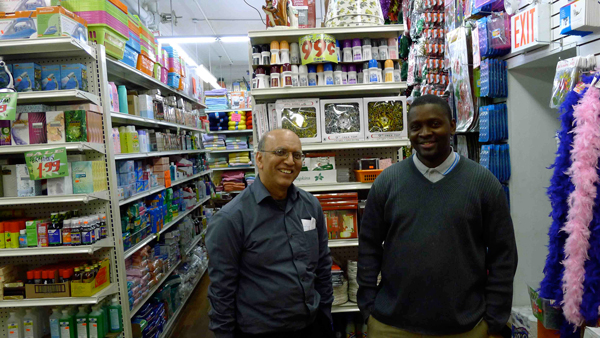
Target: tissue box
57 21
50 77
124 167
146 106
25 186
11 6
342 120
385 118
28 77
37 128
9 180
19 25
74 76
302 116
20 130
83 180
61 185
55 126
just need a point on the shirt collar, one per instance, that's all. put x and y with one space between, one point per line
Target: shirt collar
442 168
261 192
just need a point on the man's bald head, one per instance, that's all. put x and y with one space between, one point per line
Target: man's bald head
271 138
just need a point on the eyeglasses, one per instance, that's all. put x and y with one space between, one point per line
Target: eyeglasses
298 155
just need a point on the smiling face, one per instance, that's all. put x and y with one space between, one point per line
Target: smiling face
277 173
430 130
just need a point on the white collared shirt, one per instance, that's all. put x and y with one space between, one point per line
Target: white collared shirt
437 173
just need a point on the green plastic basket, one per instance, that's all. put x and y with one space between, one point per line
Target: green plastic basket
157 71
113 41
94 5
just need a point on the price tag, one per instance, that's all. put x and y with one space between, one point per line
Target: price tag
8 106
318 48
236 117
44 164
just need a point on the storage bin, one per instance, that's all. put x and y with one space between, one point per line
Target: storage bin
173 80
157 71
101 17
110 38
130 57
145 65
164 75
134 34
367 176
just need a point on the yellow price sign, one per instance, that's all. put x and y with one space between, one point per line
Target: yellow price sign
318 48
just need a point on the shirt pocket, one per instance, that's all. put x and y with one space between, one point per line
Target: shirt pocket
312 247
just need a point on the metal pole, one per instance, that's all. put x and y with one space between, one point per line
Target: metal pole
172 19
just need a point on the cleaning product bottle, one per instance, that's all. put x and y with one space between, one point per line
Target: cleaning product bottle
14 327
116 316
356 50
389 71
67 327
55 323
352 79
95 323
82 323
320 75
337 75
328 74
106 320
366 52
30 325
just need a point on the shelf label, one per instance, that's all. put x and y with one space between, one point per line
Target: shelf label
44 164
8 106
318 48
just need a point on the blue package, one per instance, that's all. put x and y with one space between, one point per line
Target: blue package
4 78
483 124
566 14
130 57
125 166
28 77
73 76
50 77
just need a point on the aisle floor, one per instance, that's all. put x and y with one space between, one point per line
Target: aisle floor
193 322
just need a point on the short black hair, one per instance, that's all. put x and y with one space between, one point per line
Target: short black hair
432 99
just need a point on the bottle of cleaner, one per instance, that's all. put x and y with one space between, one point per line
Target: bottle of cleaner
104 308
14 326
389 71
366 53
365 71
352 79
328 73
82 323
30 325
116 316
337 75
67 325
320 75
55 323
347 51
275 53
95 323
344 74
295 79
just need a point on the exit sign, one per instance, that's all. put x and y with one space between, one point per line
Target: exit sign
530 28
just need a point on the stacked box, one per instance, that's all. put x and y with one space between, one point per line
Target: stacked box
159 167
25 186
83 123
57 21
26 28
83 177
50 77
28 77
99 174
55 127
61 185
73 76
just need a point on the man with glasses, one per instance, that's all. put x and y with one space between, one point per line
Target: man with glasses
270 267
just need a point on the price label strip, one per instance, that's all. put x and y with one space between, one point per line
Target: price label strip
44 164
318 48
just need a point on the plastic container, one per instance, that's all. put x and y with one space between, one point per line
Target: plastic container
116 316
328 74
284 51
14 326
320 75
275 58
356 50
67 325
54 323
312 75
81 320
337 75
101 17
366 46
303 76
130 57
31 325
145 65
113 41
367 176
347 51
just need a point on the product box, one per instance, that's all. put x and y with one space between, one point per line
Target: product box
11 6
579 17
50 77
385 118
9 180
99 174
19 25
61 185
307 17
33 108
32 233
28 77
56 21
5 133
56 290
316 177
272 116
20 130
4 78
319 161
146 106
302 116
55 127
37 128
83 179
342 120
74 76
101 281
76 123
124 167
87 115
132 104
25 186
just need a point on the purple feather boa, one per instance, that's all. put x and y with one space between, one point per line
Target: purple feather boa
385 8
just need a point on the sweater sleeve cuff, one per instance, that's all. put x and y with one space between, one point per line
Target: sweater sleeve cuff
224 334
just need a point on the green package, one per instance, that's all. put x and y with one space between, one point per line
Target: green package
31 230
76 126
83 180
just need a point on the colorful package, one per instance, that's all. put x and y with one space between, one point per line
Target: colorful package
76 123
74 76
28 77
37 128
55 126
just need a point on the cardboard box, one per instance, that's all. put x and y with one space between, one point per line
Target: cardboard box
57 21
25 186
133 105
17 25
55 127
20 130
61 185
302 116
50 77
83 180
31 230
146 106
56 290
342 120
4 78
73 76
28 76
319 161
315 177
5 133
37 128
9 180
124 167
307 14
11 6
385 118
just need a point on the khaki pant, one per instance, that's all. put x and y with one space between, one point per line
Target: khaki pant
377 329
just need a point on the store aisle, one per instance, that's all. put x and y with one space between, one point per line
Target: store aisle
193 321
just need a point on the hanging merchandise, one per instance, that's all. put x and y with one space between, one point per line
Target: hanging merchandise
461 81
493 78
494 35
567 74
493 123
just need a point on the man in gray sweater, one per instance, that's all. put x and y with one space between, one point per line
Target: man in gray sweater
438 228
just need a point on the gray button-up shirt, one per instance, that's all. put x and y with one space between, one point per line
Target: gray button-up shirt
270 269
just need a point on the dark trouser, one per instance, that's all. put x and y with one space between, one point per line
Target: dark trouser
320 328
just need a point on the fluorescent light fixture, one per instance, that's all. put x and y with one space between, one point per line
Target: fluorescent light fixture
215 85
184 55
187 39
206 75
242 38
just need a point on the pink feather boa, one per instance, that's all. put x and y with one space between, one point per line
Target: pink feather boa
585 154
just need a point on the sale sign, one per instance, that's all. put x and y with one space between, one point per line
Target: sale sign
8 106
530 28
44 164
318 48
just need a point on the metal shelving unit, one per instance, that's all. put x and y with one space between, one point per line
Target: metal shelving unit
59 250
346 307
58 97
82 198
64 47
229 151
336 187
195 242
330 92
238 168
247 131
120 118
152 291
227 110
64 301
355 145
130 156
340 243
341 33
71 146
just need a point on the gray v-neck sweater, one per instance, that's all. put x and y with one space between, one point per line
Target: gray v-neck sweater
437 278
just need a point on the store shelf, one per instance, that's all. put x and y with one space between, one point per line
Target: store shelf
335 187
346 307
83 198
247 131
229 151
341 243
142 195
181 216
195 242
174 317
152 291
238 168
121 73
57 97
355 145
72 146
340 33
59 250
64 47
130 156
138 246
227 110
62 301
339 91
120 118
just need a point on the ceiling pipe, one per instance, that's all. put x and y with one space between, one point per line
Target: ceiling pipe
213 30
